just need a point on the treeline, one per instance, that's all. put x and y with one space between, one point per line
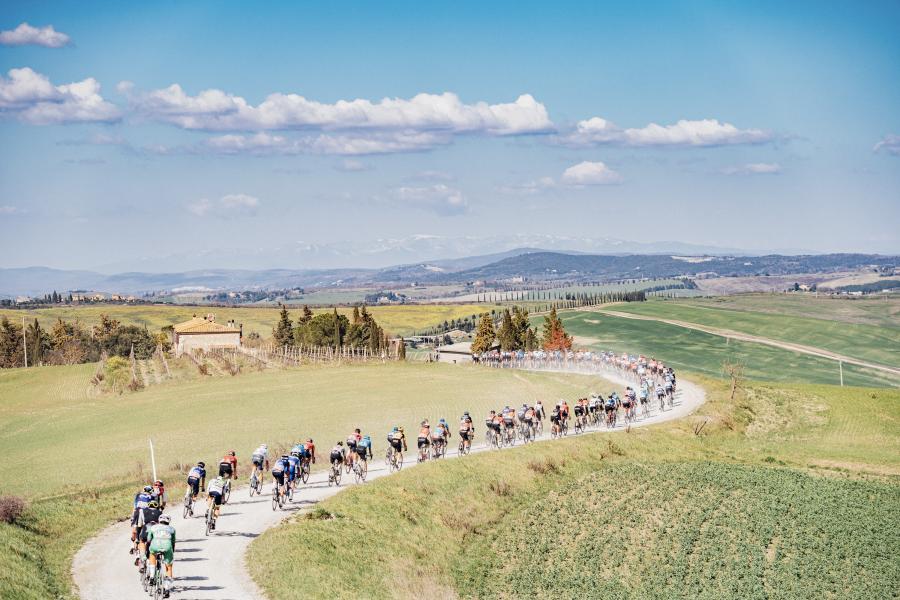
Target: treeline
330 330
515 333
869 288
70 343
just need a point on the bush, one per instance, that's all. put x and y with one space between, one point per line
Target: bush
117 373
11 508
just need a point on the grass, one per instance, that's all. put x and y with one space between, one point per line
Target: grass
878 343
53 414
660 512
396 319
704 352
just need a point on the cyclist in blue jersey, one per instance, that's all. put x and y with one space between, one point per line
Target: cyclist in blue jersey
196 479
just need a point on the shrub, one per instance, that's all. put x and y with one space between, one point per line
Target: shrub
11 508
117 373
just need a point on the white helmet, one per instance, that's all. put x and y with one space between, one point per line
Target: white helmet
165 519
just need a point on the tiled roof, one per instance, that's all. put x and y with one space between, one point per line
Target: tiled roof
202 325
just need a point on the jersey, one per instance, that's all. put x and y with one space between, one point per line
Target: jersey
197 473
281 465
142 499
161 538
216 486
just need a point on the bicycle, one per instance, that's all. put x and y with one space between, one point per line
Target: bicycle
256 485
555 431
277 501
144 574
334 477
438 448
578 426
188 504
393 460
226 492
424 452
211 518
290 490
304 470
157 582
359 470
510 436
463 448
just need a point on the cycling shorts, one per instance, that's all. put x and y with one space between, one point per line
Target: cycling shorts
195 485
279 477
217 498
396 444
258 460
423 442
225 469
336 457
464 434
168 556
609 408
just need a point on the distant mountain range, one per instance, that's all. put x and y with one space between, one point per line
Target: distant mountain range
530 263
382 253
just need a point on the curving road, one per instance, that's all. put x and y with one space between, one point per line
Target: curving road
212 568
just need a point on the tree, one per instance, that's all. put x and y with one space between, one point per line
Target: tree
307 316
527 340
555 336
484 335
401 350
39 344
283 334
336 335
322 330
507 334
12 353
355 319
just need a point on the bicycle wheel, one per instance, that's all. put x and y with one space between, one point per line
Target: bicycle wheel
275 498
304 474
399 462
158 580
187 505
227 494
252 485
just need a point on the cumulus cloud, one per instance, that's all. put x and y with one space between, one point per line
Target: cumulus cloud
438 198
217 110
754 169
25 35
590 173
32 98
702 133
226 207
889 144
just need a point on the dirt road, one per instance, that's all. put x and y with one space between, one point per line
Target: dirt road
212 568
746 337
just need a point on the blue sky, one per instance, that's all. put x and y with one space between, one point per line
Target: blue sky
760 126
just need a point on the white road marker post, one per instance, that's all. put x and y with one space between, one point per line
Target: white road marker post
841 367
152 459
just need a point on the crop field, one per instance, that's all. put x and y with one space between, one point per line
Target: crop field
877 343
699 530
659 512
395 319
702 352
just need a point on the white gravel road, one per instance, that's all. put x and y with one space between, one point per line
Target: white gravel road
212 568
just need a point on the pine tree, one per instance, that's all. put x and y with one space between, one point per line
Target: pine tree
507 335
336 341
401 350
355 319
484 336
307 316
283 334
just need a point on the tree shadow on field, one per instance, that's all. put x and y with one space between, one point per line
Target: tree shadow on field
192 541
180 550
236 534
192 559
192 578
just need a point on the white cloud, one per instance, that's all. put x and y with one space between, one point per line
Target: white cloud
702 133
754 169
431 176
890 144
32 98
590 173
25 34
220 111
325 143
439 198
529 188
352 166
226 207
10 210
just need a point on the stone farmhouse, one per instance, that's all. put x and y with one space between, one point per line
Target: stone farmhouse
203 333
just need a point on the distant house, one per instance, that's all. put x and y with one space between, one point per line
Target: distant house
455 353
203 333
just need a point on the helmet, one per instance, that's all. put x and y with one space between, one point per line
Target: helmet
201 464
400 428
263 446
394 429
158 482
340 443
284 456
165 519
442 421
153 504
367 438
309 441
148 488
231 453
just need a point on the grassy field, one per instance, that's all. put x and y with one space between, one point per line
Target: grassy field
398 319
834 328
90 449
660 512
704 352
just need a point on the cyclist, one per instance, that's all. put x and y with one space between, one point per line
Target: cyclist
528 419
260 460
294 464
310 451
228 466
141 501
539 410
352 440
520 414
439 436
215 492
466 430
555 419
280 472
578 410
509 418
397 439
660 394
197 479
337 457
159 493
162 539
563 412
364 449
610 406
424 437
149 517
628 402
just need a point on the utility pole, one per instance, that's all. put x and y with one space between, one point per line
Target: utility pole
841 367
25 342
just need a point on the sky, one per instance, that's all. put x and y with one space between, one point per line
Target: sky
135 130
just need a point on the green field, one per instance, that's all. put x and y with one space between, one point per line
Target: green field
877 343
697 351
397 319
733 513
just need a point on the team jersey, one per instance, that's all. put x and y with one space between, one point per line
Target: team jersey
216 486
197 473
142 499
280 466
161 538
261 452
